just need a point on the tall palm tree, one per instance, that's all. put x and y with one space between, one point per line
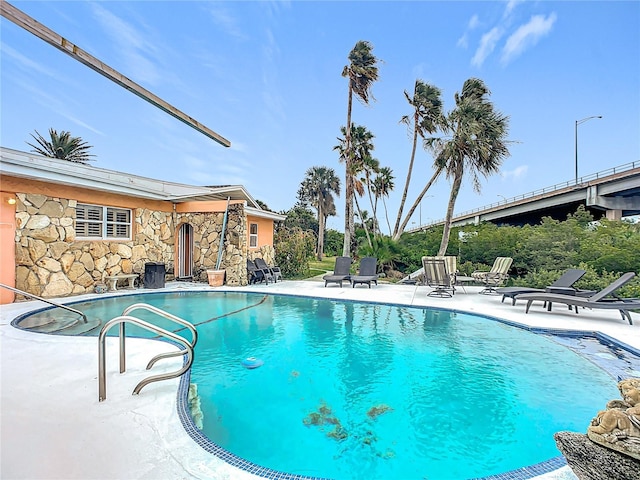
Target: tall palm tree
382 187
358 157
361 72
370 167
62 146
318 188
477 145
426 118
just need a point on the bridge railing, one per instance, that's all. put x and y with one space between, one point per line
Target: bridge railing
541 191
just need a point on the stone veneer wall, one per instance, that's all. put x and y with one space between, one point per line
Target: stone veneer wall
50 262
207 229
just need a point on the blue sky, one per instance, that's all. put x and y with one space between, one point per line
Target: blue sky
267 76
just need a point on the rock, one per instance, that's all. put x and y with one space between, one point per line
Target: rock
37 222
48 234
37 249
51 209
590 461
22 256
58 286
49 264
98 249
87 260
35 199
56 249
66 261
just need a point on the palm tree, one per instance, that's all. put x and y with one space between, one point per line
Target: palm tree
62 146
361 72
360 160
426 118
477 144
382 187
317 188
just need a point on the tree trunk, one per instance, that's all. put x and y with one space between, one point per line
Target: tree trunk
348 194
364 223
455 189
386 214
373 207
434 177
321 224
397 234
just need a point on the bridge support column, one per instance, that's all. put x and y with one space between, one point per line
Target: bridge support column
613 214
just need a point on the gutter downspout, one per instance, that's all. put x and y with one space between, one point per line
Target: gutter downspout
224 228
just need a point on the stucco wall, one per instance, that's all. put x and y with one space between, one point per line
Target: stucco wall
50 261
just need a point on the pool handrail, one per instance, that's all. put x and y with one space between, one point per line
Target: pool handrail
121 320
27 294
168 316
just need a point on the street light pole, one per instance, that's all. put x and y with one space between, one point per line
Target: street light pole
580 122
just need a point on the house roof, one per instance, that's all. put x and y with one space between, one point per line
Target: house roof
36 167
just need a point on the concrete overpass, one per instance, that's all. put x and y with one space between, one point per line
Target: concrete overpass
612 193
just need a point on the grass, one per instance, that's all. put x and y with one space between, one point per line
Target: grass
317 268
326 265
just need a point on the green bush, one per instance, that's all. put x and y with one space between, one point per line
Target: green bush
294 248
541 253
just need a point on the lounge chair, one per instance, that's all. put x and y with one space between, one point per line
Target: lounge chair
437 277
597 300
341 272
496 276
564 284
275 271
366 272
256 274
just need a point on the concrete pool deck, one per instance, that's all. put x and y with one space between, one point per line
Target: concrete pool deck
53 427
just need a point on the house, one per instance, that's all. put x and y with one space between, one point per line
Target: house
64 227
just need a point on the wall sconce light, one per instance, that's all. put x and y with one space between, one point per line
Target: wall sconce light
11 201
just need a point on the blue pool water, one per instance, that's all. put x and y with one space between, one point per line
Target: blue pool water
361 391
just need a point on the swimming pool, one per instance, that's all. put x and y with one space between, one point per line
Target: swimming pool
415 392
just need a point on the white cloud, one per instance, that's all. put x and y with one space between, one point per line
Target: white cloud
463 41
487 45
25 62
526 36
223 19
132 45
511 5
516 173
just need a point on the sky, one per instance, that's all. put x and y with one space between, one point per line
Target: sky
267 76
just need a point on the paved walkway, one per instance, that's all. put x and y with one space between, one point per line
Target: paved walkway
53 426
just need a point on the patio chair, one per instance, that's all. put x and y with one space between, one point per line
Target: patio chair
366 272
597 300
256 274
437 277
275 271
564 284
341 272
450 262
496 276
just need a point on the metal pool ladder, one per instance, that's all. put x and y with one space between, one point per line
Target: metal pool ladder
31 295
125 318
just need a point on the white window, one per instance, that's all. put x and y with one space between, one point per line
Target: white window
98 222
253 235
